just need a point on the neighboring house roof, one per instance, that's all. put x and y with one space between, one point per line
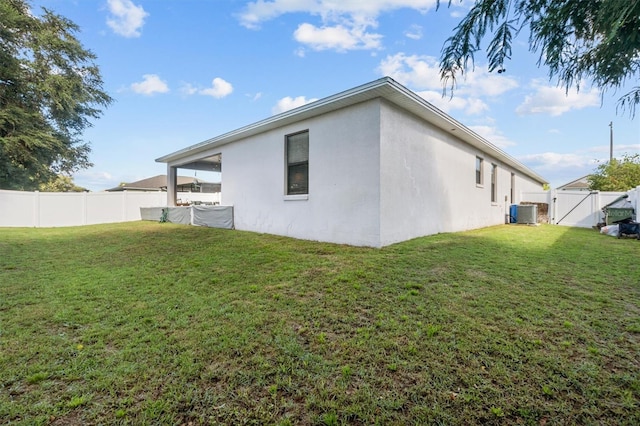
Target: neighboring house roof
580 184
385 88
159 183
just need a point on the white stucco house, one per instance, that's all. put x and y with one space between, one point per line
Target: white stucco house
370 166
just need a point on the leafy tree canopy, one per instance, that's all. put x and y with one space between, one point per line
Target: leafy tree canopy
61 183
50 89
597 40
616 175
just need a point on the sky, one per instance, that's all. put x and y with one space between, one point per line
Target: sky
184 71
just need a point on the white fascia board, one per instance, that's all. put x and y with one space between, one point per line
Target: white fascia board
386 88
322 106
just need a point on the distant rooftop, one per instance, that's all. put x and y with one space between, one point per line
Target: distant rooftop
159 183
580 184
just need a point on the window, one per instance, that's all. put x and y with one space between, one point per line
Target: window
513 187
479 174
297 150
494 183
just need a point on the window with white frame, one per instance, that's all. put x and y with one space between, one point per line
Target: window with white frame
297 153
512 191
479 173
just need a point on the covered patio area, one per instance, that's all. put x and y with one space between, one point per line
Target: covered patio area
211 165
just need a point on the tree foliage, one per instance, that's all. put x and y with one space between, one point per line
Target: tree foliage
61 183
578 40
616 175
50 89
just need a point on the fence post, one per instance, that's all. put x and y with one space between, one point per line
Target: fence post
596 206
636 208
553 196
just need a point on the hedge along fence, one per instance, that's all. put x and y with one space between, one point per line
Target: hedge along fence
53 209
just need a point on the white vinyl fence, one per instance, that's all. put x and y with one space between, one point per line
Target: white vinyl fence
581 209
53 209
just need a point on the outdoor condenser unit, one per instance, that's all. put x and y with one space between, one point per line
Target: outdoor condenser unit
528 213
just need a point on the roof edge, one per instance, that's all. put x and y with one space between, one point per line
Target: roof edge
385 87
193 149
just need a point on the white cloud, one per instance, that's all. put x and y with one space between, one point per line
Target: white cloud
560 168
556 101
414 32
219 88
287 103
188 89
475 106
422 74
339 37
260 11
483 83
618 149
126 18
95 180
564 167
470 106
493 135
344 25
553 160
150 85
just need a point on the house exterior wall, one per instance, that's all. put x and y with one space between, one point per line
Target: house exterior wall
377 175
343 201
428 181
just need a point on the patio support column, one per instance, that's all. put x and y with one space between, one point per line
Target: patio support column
172 178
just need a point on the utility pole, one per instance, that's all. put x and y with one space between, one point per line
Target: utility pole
610 141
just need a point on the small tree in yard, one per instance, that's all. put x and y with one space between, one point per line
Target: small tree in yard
616 175
50 89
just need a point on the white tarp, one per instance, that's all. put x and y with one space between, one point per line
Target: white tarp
151 213
179 215
213 216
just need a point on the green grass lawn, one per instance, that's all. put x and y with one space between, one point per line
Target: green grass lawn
148 323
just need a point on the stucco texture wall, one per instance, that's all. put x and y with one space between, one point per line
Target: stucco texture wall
343 201
428 181
377 175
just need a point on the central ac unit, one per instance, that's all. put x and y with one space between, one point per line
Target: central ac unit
528 213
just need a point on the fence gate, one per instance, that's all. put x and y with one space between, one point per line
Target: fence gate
579 208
